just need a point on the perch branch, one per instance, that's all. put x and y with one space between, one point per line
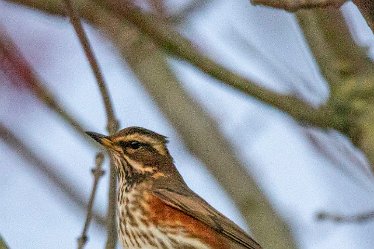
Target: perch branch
97 172
112 123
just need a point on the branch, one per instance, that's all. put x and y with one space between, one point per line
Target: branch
347 69
366 7
44 169
332 45
358 218
97 172
172 42
112 123
292 5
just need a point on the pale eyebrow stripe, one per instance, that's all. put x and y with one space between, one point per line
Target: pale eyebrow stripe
137 137
154 143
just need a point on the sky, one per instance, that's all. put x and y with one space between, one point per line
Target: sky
259 43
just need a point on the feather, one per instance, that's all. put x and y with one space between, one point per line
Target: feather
184 199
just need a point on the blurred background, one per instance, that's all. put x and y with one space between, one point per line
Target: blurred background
291 181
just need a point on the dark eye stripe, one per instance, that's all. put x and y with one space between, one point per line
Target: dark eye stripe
132 144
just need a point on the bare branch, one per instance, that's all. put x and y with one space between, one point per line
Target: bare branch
171 41
331 43
150 65
97 172
45 169
294 5
112 123
357 218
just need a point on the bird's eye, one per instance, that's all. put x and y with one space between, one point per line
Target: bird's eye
135 145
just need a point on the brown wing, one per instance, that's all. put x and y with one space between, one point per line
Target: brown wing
193 205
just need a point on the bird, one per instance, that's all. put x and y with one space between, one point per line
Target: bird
155 207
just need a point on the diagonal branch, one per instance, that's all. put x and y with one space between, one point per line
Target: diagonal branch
292 5
151 67
112 123
45 169
172 42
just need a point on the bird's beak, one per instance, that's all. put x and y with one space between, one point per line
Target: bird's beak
101 139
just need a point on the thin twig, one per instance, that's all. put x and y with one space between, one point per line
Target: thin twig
112 123
292 5
278 66
363 217
334 154
97 172
74 18
45 169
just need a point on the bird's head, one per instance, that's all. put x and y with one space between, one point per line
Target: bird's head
137 151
